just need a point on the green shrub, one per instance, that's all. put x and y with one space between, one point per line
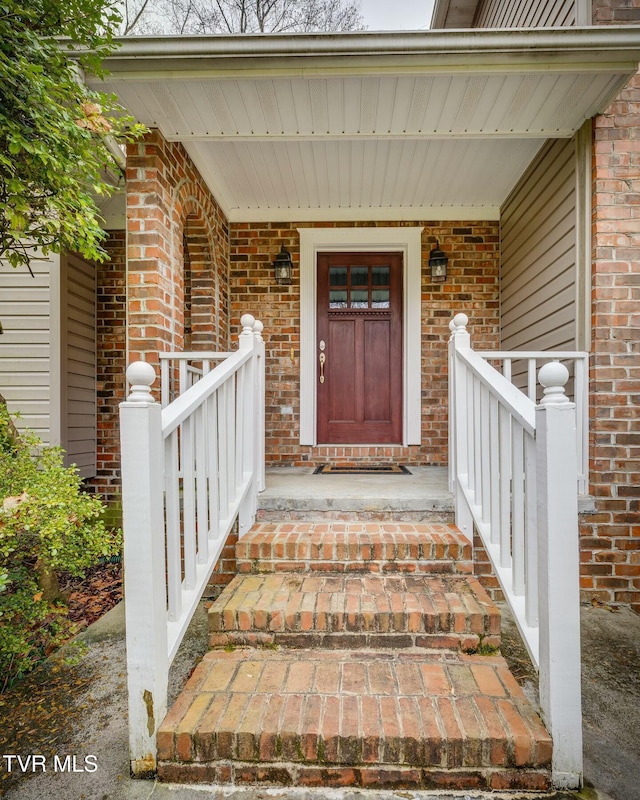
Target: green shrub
48 526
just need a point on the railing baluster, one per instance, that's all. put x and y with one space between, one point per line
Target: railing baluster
223 457
485 453
231 434
164 383
202 515
494 469
505 487
172 494
581 399
531 379
517 510
470 421
189 503
240 430
213 437
478 478
183 376
531 533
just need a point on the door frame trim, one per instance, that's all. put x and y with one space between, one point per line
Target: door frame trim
408 241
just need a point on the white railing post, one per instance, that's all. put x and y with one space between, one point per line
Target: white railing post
460 339
258 327
144 566
558 575
451 408
247 424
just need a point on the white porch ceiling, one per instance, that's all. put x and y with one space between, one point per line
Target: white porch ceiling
442 125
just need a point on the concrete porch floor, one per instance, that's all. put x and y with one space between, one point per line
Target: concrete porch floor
425 490
296 493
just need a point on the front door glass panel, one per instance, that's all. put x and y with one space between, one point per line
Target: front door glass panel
359 287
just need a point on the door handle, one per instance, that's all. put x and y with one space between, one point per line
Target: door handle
323 358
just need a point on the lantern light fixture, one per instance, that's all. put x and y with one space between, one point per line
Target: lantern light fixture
282 267
438 263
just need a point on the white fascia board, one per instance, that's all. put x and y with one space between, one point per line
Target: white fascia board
447 213
588 49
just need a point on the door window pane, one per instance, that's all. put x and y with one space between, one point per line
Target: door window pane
359 298
380 298
338 298
359 276
380 276
338 276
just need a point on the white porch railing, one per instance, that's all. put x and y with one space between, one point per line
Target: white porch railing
189 471
179 371
514 477
521 368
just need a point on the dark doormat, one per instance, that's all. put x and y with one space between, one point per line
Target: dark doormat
362 469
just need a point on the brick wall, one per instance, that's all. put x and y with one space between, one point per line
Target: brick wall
173 222
472 286
615 12
610 538
111 364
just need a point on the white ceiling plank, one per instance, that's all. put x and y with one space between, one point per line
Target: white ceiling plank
320 164
372 134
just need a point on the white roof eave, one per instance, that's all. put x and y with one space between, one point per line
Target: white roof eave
393 125
588 49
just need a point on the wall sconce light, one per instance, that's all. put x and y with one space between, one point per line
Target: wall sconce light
282 267
438 263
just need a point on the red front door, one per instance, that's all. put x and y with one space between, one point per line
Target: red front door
359 348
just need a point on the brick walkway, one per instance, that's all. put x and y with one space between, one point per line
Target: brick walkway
355 676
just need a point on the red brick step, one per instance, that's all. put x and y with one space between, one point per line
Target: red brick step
384 719
354 610
354 547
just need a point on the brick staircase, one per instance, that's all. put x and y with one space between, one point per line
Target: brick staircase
355 654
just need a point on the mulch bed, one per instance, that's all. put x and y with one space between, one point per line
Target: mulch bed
95 594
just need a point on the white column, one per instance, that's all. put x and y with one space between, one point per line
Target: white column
558 575
144 566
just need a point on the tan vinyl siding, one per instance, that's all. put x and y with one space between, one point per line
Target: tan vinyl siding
538 241
25 345
79 360
526 14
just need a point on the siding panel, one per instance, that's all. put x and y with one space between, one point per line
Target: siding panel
538 270
526 14
25 314
79 359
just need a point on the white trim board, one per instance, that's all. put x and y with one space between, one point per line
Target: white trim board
406 240
403 214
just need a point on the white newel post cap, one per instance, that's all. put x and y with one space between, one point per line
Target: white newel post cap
141 376
247 321
553 376
258 327
459 322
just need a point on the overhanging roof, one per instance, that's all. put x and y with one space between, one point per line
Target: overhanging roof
370 125
453 13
